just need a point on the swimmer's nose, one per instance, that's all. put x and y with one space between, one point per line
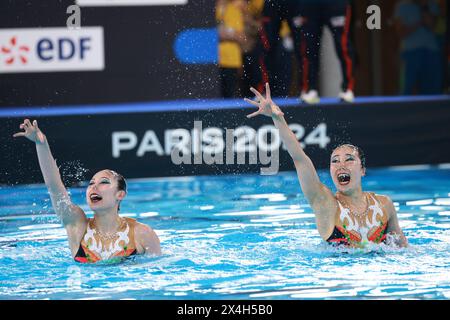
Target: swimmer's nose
92 186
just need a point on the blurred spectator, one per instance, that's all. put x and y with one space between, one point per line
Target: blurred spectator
283 62
229 16
252 76
421 52
254 54
336 14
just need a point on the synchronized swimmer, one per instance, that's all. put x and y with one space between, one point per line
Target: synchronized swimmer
106 236
350 217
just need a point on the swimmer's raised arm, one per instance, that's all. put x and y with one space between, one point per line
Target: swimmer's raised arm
318 195
70 214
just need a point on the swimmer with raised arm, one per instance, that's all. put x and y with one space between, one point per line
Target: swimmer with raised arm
106 236
350 217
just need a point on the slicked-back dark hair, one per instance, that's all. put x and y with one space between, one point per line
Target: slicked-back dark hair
361 154
121 182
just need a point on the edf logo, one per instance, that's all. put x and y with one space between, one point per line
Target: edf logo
63 49
14 51
51 50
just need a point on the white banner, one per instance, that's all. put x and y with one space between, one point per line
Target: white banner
113 3
51 50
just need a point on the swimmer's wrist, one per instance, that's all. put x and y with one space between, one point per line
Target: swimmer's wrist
276 116
39 142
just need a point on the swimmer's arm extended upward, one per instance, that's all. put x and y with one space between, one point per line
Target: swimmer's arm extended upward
318 195
69 213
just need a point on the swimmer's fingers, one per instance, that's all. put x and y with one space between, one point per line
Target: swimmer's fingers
19 134
23 127
268 91
31 131
40 135
256 92
27 123
254 114
27 126
26 133
255 103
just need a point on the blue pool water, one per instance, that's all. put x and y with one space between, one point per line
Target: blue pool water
233 237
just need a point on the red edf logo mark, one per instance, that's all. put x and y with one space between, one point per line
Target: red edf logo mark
14 51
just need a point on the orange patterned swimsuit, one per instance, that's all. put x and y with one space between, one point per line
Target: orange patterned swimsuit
354 231
93 249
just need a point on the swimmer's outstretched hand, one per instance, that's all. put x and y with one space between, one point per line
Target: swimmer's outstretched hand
265 104
32 132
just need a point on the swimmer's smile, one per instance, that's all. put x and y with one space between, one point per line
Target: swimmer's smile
343 178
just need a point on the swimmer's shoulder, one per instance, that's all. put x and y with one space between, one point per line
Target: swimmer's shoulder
383 199
142 227
141 230
146 239
385 202
138 226
130 221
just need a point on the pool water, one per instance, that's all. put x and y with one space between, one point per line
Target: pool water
233 237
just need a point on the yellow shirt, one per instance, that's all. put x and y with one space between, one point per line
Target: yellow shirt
255 7
230 53
284 30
